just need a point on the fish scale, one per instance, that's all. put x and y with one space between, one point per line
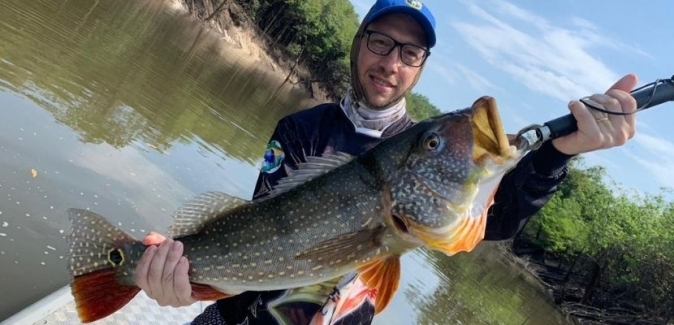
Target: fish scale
333 215
261 245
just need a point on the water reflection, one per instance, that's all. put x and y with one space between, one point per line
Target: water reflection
130 108
483 287
124 108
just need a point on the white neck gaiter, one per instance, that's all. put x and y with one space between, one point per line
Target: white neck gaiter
370 121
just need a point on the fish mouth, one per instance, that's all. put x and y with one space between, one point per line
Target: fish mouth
491 143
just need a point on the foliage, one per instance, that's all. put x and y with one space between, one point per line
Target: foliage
419 107
319 32
627 236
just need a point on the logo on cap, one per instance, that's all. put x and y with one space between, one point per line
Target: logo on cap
416 4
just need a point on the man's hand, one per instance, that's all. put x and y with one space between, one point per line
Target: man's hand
598 130
162 272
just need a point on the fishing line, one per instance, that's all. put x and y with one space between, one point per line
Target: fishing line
532 136
591 104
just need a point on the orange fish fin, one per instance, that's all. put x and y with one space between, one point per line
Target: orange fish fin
99 294
382 275
203 292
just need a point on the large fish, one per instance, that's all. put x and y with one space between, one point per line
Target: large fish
430 185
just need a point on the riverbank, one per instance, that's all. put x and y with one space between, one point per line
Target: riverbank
229 19
567 290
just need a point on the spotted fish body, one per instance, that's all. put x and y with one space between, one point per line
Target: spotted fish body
333 215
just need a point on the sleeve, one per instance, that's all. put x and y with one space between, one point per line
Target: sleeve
282 153
525 190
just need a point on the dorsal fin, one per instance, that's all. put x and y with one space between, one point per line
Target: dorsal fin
191 217
313 167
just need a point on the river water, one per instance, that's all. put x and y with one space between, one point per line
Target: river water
129 109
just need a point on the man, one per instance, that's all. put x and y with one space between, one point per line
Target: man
387 56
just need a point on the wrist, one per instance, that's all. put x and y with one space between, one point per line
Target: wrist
558 145
548 160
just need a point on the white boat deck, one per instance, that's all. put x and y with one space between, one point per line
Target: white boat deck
59 309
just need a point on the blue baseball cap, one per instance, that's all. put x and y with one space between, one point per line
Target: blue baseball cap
414 8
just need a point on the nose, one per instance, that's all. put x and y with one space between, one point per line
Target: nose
392 61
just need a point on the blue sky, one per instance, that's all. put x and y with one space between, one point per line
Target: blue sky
535 56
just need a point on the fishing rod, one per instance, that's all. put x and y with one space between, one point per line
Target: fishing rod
652 94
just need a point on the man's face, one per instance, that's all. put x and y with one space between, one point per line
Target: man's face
385 79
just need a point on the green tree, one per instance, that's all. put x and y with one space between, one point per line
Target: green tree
419 107
626 240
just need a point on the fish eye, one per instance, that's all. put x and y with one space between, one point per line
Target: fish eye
431 142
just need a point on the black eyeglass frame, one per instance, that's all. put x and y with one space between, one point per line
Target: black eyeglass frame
397 44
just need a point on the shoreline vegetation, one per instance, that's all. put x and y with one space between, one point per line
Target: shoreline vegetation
306 42
606 256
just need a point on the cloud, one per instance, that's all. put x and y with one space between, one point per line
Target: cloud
454 72
475 80
658 146
643 125
661 161
552 60
441 69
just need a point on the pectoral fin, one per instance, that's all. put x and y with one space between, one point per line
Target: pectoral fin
345 248
383 275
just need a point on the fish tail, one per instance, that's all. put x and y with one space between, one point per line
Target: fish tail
99 294
101 264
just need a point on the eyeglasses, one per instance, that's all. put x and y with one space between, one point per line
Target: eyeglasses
383 44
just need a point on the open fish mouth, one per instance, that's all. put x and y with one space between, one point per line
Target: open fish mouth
491 141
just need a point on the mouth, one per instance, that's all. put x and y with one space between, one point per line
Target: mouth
381 83
491 141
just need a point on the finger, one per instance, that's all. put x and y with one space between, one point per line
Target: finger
154 276
174 254
626 83
626 125
607 123
585 120
153 238
605 102
181 283
142 269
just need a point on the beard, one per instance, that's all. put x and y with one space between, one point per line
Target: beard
385 105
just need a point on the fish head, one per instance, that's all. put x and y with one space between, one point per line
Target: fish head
449 177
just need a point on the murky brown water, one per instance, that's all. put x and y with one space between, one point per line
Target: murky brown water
129 109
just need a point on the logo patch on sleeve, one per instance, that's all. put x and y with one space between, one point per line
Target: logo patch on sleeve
273 157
